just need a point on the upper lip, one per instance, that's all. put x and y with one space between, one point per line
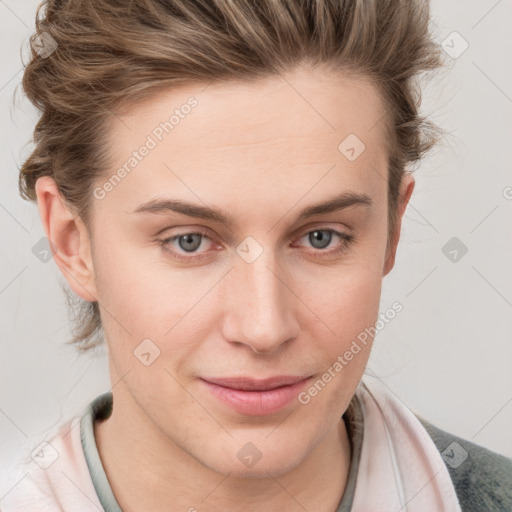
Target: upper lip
252 384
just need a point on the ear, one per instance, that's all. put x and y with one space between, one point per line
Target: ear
406 189
69 239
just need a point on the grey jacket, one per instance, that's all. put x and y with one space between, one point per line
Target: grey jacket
482 478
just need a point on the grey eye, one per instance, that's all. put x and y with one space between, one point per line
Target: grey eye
320 238
190 241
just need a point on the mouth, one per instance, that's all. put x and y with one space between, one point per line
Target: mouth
256 397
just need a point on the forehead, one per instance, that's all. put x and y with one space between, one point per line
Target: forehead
286 131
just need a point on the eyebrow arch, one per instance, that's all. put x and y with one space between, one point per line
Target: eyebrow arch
162 206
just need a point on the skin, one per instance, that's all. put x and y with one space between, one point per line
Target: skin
261 152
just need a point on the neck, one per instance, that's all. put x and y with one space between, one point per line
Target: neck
148 471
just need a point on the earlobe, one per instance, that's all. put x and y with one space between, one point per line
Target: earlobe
406 189
68 237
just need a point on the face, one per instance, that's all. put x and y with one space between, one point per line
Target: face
221 327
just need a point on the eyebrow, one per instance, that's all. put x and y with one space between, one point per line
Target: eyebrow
162 206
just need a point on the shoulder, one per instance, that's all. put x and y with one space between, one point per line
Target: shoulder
50 475
482 478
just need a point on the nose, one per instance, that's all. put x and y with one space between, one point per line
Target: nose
261 306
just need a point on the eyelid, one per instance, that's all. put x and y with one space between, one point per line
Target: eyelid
164 244
200 232
299 233
346 237
328 226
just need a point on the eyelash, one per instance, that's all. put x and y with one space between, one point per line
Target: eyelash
348 240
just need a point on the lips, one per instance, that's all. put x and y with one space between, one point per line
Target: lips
256 397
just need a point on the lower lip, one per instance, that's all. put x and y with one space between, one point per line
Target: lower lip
257 403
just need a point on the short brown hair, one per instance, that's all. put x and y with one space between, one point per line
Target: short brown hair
111 53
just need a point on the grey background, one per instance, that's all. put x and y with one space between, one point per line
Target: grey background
447 355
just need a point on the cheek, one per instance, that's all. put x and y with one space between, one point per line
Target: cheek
144 295
347 308
350 310
356 317
142 298
344 300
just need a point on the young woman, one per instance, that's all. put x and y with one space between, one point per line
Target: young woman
223 184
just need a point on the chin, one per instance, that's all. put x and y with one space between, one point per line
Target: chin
259 459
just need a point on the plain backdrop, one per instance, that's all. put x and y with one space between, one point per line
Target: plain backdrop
447 354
